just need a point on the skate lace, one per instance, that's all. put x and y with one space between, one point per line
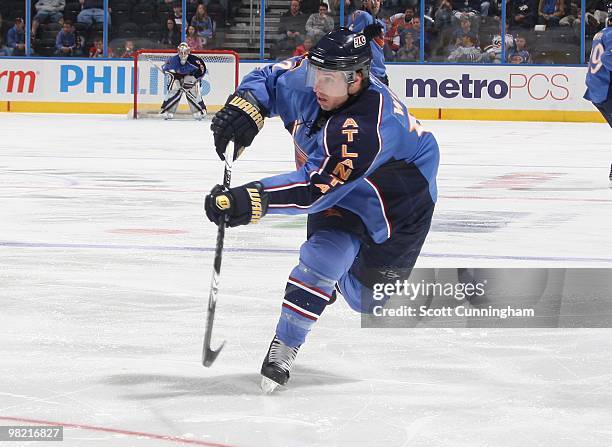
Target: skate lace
282 355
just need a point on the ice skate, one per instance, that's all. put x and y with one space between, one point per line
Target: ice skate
277 365
167 115
198 116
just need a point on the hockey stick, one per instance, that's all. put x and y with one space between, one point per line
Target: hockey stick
208 354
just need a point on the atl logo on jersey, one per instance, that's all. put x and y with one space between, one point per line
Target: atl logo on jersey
343 169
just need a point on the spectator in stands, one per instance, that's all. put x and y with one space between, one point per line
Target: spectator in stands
573 17
292 21
177 15
594 18
65 42
414 30
80 49
465 9
409 52
15 38
304 47
47 11
519 54
598 10
290 30
392 41
97 49
494 51
193 40
443 14
465 29
171 36
551 11
92 11
485 5
202 23
522 14
319 23
128 50
401 22
466 52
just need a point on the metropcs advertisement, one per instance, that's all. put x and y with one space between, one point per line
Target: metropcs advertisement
496 87
444 87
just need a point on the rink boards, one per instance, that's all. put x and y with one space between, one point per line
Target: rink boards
473 92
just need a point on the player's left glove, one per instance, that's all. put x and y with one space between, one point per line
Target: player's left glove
240 119
373 30
242 205
188 82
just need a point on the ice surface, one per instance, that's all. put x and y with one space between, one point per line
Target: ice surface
105 268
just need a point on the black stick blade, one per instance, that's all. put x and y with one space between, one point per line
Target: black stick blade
210 355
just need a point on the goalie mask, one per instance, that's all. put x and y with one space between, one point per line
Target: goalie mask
183 52
335 60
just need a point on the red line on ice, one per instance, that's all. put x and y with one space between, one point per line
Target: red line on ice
118 431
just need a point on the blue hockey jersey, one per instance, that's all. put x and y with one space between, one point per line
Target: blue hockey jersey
357 22
370 156
598 79
194 66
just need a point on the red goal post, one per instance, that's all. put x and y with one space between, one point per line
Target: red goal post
150 83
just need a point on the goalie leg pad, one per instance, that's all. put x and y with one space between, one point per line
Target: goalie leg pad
194 99
171 101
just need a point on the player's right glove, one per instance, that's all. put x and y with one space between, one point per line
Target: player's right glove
240 119
242 205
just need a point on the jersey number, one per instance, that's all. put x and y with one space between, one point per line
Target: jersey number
596 54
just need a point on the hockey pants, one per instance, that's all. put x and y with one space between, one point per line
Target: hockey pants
338 253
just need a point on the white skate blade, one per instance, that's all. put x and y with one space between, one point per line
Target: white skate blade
267 385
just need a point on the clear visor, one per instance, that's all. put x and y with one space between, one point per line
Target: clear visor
328 82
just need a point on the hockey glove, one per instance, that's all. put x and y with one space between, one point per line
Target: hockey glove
373 30
242 205
240 119
189 82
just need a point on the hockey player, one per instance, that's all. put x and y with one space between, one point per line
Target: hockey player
184 71
366 178
364 21
599 77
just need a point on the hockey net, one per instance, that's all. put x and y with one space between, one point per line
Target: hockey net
150 83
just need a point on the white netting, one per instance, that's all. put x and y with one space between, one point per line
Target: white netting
217 84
